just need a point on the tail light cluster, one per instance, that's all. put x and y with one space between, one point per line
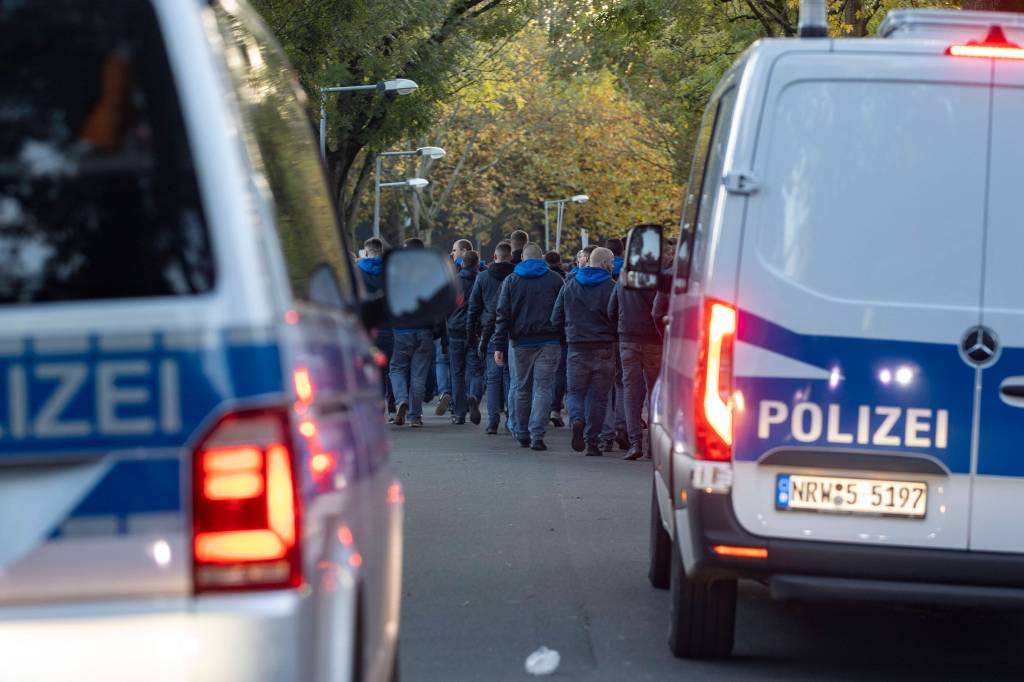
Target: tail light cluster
245 519
713 389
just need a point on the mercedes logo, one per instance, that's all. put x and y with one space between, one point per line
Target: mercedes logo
979 346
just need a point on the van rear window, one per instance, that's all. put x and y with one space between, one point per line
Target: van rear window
98 196
874 192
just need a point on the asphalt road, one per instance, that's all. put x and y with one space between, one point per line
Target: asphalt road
507 549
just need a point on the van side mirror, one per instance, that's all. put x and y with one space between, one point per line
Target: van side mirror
419 287
642 267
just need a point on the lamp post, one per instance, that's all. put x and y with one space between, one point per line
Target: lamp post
399 86
429 152
559 213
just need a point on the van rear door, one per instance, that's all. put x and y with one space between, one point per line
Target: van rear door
999 352
860 271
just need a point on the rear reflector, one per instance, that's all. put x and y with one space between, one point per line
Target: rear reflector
995 46
742 552
245 511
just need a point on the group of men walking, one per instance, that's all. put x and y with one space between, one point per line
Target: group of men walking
527 335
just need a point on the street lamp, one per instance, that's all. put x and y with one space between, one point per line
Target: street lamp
560 204
399 86
429 152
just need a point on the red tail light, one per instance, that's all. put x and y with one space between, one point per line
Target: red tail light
245 513
712 392
995 46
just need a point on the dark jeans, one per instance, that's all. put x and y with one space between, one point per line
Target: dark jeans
386 343
614 416
410 364
590 372
640 364
535 381
442 369
498 384
467 375
560 385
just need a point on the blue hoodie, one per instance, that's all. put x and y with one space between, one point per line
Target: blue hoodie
616 266
524 306
373 273
590 277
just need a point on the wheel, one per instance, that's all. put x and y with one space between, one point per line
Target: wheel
660 551
702 614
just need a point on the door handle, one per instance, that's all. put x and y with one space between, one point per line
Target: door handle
1012 391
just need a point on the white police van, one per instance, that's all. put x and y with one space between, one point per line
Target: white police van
195 481
839 409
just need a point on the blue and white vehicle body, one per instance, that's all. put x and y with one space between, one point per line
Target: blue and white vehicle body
119 411
839 407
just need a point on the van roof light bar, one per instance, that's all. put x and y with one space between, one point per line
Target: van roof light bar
995 46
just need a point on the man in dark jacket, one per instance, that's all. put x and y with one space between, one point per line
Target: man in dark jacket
467 376
614 430
371 267
518 240
640 354
524 317
480 319
582 309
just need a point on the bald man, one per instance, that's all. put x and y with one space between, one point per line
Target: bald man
524 318
582 309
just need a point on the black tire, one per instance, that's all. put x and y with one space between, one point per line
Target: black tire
702 619
660 551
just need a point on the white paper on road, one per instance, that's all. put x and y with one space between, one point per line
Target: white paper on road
543 661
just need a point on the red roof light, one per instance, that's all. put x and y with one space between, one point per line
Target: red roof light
995 46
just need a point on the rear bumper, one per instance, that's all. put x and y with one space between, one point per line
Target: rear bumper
937 573
245 637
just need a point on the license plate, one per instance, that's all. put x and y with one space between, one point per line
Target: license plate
878 497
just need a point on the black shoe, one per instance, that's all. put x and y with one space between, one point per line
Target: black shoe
474 409
578 444
458 420
443 403
416 422
538 445
622 440
403 409
492 431
594 451
524 442
606 445
635 453
556 419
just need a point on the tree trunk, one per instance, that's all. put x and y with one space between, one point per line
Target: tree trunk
853 15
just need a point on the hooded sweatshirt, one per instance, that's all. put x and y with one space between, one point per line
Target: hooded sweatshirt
617 262
524 306
582 309
372 270
483 301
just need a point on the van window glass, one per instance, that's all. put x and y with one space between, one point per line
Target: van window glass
705 181
279 136
98 195
873 192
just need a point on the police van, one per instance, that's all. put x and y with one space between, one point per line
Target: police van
195 480
841 398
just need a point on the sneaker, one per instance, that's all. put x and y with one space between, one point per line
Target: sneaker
416 422
403 409
606 445
635 453
492 431
458 420
594 451
578 443
474 409
538 445
443 403
524 442
391 419
556 419
622 440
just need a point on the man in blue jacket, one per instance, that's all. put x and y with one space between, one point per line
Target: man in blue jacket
480 320
525 303
371 267
467 376
582 309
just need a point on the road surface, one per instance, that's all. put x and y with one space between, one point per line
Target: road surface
507 549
